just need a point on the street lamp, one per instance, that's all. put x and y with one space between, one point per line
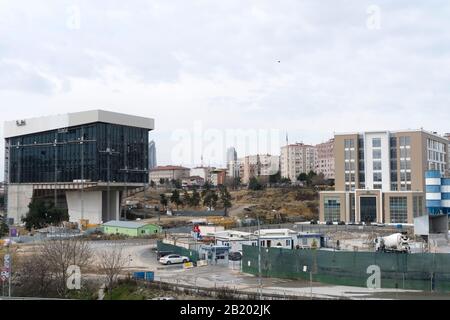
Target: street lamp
259 257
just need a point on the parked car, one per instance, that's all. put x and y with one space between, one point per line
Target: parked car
161 254
341 223
313 222
173 259
235 256
329 223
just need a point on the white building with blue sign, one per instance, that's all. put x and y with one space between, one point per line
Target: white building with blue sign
437 193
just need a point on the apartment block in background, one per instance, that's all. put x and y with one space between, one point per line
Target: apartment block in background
168 173
258 166
380 176
297 158
325 159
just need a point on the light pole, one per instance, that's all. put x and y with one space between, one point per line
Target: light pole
259 257
82 173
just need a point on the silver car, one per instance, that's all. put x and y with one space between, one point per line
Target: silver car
173 258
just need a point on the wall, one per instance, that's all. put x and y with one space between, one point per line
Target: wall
149 229
419 271
92 206
19 197
125 231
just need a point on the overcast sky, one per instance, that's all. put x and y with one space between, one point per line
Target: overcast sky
309 68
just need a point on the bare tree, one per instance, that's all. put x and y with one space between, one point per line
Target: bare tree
61 253
111 263
34 276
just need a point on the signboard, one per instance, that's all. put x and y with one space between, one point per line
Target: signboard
7 261
13 232
202 263
4 274
150 276
188 265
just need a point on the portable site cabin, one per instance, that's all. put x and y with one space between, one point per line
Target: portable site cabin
130 228
289 239
235 239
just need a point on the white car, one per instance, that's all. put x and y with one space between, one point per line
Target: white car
173 258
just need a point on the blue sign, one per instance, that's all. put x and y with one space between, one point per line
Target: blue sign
150 276
144 275
139 275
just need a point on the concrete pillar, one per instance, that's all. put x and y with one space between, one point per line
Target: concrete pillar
19 197
92 206
114 205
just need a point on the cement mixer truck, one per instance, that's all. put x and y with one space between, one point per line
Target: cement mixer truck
396 242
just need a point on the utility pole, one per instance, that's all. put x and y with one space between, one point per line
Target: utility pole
259 258
10 271
55 145
82 172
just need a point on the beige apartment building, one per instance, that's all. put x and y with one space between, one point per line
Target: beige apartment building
380 176
297 158
169 173
258 166
325 159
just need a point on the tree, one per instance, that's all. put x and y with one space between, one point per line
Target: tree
152 184
35 275
210 199
195 199
225 198
62 253
42 214
162 181
254 184
111 263
275 178
206 188
318 179
285 180
4 229
175 198
303 177
176 183
163 200
187 199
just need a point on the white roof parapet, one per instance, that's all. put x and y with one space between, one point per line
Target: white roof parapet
41 124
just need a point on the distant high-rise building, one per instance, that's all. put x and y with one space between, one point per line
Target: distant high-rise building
232 163
325 159
297 158
151 155
258 166
231 154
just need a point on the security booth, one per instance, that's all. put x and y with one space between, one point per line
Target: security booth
215 255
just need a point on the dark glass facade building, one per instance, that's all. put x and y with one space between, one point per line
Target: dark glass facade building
97 152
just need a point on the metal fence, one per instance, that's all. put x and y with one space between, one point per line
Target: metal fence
421 271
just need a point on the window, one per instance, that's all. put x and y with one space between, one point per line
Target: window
376 154
376 143
332 209
417 206
377 165
393 142
349 143
399 209
377 177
